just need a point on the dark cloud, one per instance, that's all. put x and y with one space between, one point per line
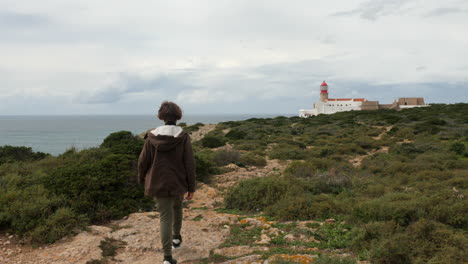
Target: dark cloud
132 83
14 20
291 85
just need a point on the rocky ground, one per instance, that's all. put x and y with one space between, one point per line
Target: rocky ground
209 234
137 240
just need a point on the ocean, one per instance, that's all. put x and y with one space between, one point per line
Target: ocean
56 134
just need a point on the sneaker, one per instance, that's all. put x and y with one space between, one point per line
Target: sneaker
176 242
169 260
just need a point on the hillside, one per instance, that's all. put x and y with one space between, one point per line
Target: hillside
368 186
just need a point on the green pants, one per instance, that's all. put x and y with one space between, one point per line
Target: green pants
170 216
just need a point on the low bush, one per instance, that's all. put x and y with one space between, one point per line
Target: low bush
287 152
301 169
13 154
298 206
256 194
213 141
334 180
205 167
192 128
123 142
422 242
250 159
226 156
236 134
458 148
101 190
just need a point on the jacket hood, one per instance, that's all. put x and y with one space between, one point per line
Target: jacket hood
166 143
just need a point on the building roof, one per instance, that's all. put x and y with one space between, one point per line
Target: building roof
348 99
324 84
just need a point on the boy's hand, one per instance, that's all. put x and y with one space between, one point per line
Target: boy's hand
189 196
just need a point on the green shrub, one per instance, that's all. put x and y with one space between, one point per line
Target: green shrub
334 180
458 148
193 128
13 154
298 206
102 190
403 208
287 152
301 169
256 194
63 222
422 242
212 141
205 167
226 156
123 142
250 159
236 134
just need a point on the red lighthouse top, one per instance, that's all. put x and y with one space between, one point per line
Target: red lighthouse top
324 84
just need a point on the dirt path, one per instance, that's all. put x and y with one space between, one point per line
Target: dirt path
204 229
200 133
357 161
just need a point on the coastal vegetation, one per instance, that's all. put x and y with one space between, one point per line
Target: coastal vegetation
394 181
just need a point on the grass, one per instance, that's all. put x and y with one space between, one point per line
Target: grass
239 236
197 218
109 247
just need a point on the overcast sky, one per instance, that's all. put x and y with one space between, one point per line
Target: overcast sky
219 56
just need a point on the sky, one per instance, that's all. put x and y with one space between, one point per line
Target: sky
227 56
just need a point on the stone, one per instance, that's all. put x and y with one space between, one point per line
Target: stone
264 239
238 250
253 259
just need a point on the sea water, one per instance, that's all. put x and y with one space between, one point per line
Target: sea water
56 134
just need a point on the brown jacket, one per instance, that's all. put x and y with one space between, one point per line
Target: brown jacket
166 165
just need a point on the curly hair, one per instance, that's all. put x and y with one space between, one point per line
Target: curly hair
169 111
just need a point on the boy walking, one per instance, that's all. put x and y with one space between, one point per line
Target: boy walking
166 167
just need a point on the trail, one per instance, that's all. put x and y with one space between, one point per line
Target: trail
357 161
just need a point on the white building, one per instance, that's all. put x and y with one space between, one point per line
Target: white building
330 106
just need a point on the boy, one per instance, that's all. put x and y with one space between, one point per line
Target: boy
166 167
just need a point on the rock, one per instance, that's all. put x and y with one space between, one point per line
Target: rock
330 221
253 259
10 237
232 166
257 222
238 250
264 239
272 231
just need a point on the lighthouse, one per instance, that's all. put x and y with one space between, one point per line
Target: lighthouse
324 92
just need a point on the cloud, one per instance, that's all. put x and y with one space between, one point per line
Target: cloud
16 20
442 11
130 83
373 9
261 56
